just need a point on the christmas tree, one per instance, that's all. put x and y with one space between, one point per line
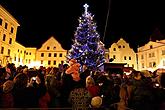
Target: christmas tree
87 48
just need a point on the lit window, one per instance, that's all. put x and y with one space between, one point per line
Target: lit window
41 61
55 54
2 50
149 55
114 56
10 40
4 37
49 55
8 52
151 46
6 25
0 21
150 64
48 48
12 30
60 54
49 62
54 62
42 54
125 58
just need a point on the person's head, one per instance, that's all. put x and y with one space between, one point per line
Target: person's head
8 86
20 80
89 81
96 102
137 75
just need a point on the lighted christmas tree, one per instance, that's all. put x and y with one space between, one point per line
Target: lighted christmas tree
87 48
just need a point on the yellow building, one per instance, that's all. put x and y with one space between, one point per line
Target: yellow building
121 52
51 53
8 31
152 55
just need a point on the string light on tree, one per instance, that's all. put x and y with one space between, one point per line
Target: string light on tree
87 47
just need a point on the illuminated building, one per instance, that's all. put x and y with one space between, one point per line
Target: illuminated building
8 31
51 53
121 52
152 55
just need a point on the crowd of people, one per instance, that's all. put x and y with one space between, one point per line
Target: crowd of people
68 88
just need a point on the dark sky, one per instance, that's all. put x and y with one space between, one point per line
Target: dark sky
134 20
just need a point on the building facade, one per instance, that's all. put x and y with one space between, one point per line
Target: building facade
51 53
151 56
8 31
121 52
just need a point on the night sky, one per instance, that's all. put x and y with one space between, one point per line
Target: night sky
134 20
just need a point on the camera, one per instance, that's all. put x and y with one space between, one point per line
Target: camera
33 78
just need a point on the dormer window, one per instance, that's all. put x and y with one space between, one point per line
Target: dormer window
151 46
48 47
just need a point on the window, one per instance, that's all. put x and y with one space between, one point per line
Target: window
42 54
8 52
142 57
163 52
26 60
14 58
129 58
49 55
0 21
151 46
41 61
55 54
163 62
125 58
30 53
54 48
149 55
49 62
119 46
2 50
10 40
4 37
6 25
18 59
62 62
12 30
60 54
114 49
21 51
18 50
29 61
54 63
142 65
153 54
123 46
26 53
154 64
48 48
150 64
114 56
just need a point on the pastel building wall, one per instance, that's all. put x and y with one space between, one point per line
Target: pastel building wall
121 52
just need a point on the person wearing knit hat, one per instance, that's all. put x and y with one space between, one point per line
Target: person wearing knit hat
96 102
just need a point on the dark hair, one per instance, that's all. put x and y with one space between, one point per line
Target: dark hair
20 80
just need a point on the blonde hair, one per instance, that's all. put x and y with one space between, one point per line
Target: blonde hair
89 81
